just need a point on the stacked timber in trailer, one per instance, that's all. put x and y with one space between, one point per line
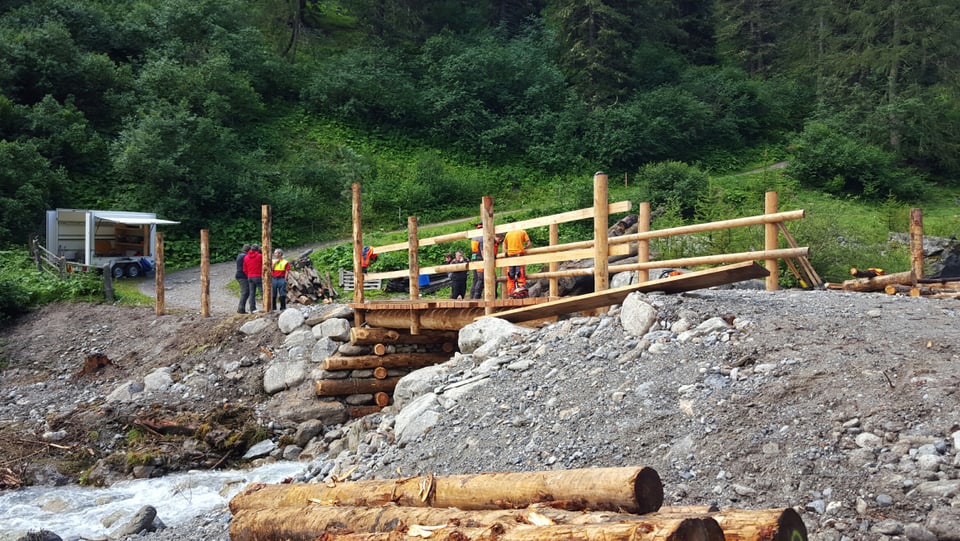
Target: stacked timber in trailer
92 239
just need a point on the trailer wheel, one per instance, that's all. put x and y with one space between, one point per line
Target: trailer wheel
133 270
118 271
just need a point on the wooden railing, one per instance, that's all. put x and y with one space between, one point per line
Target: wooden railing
600 248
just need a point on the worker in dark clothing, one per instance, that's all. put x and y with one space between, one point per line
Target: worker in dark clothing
242 280
458 279
476 290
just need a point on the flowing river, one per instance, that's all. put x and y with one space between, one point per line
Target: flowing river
75 512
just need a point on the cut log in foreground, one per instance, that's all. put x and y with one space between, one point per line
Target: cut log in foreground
783 524
630 489
296 523
299 525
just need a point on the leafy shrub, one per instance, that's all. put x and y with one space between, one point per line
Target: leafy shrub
676 184
829 160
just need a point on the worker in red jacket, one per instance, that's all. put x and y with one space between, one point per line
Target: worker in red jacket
253 268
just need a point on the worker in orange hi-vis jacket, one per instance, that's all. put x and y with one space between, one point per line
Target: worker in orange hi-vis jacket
515 243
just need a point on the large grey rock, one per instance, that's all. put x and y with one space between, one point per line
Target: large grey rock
255 326
306 431
336 328
290 319
158 380
259 450
281 375
141 521
126 392
301 404
712 325
418 383
301 336
324 348
637 316
416 418
944 522
484 330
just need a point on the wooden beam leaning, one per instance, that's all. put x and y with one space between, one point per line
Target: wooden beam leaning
634 489
395 360
391 523
674 284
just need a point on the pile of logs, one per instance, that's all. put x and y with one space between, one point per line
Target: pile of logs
305 285
365 374
608 504
902 283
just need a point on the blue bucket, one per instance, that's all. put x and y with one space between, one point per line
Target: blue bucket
424 280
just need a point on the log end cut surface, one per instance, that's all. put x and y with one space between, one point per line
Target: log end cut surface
648 489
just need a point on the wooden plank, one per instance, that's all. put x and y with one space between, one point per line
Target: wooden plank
585 253
675 284
563 217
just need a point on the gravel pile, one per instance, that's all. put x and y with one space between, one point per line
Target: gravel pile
841 405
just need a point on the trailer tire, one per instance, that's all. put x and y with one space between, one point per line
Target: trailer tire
118 271
133 270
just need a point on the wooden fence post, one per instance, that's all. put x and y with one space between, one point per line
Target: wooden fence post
554 266
158 274
643 245
489 252
413 257
770 242
601 242
358 316
266 271
204 273
916 244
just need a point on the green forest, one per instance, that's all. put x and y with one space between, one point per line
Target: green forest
203 110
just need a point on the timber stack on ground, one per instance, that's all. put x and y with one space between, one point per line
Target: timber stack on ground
306 286
364 373
606 504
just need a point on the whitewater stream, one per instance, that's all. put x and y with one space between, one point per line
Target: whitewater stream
75 512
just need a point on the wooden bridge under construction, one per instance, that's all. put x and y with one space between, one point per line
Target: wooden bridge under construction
416 316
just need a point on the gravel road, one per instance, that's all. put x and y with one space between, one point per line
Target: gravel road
182 290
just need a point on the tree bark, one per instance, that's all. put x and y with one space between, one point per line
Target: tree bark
396 522
631 489
343 387
396 360
877 283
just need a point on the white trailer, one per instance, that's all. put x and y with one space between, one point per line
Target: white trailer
91 239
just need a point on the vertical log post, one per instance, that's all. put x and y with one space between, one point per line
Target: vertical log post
358 317
916 244
266 270
770 205
158 275
601 221
413 257
643 245
489 252
554 265
413 241
204 273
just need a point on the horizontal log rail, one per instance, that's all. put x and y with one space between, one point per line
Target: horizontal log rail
563 217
